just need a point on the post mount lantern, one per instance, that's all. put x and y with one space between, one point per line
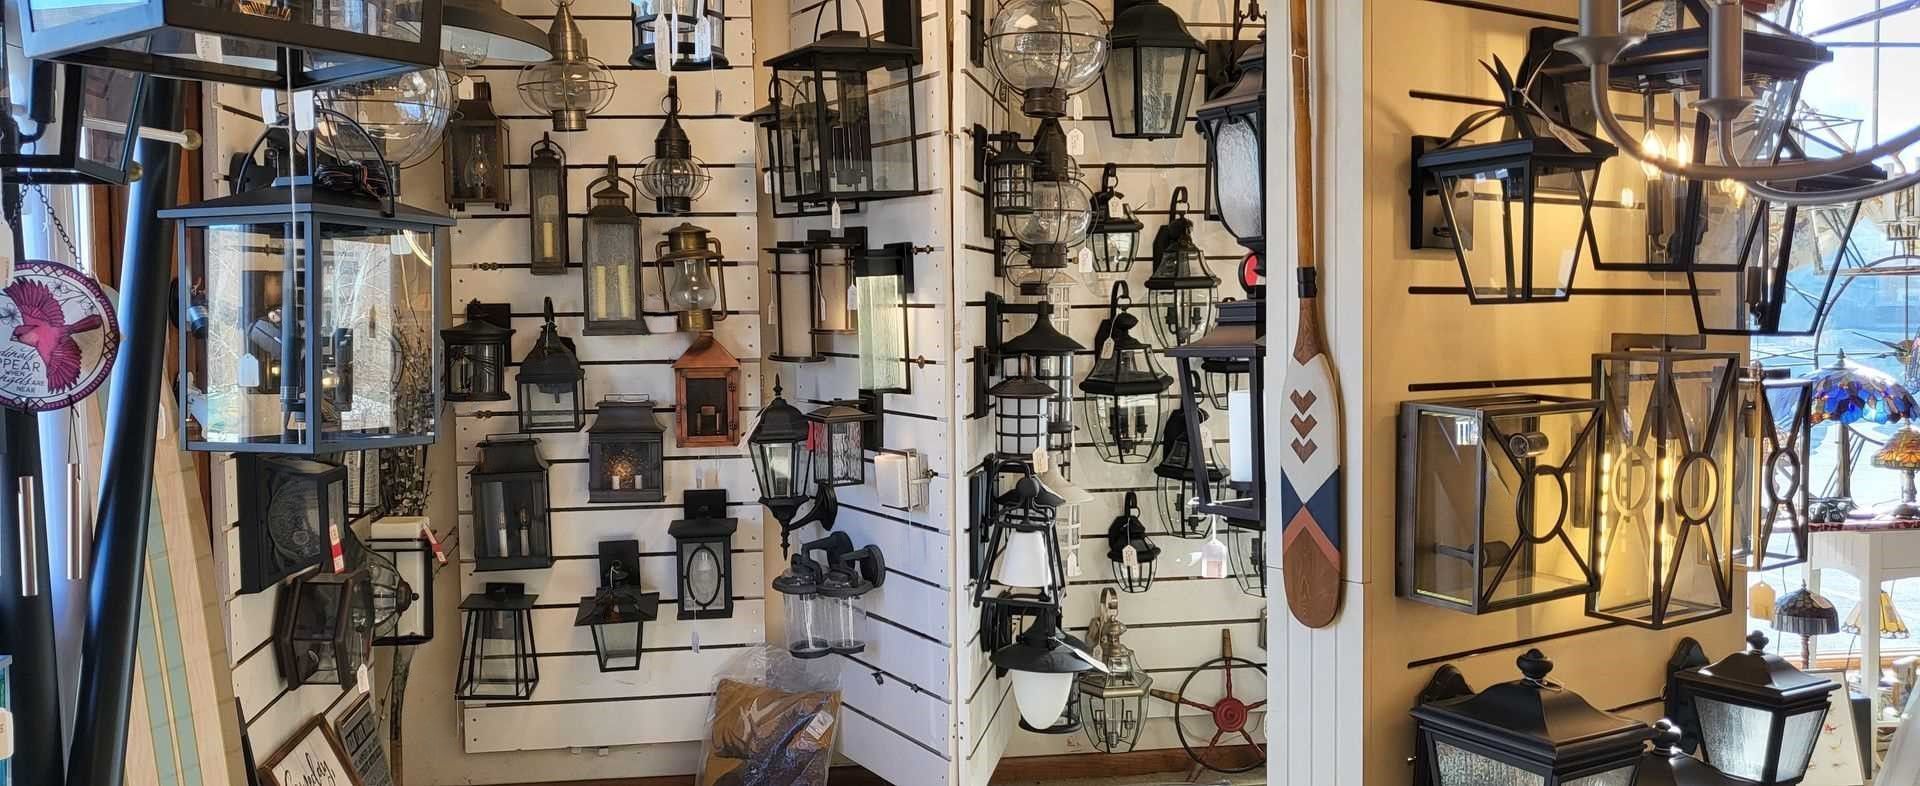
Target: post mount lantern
626 452
1115 233
292 509
706 407
703 565
1530 732
476 352
1181 290
478 141
550 382
1150 70
673 177
1234 123
691 281
845 121
1760 718
1133 555
1113 703
499 660
1773 440
1123 387
611 277
572 84
1237 342
547 208
1047 51
323 629
618 612
69 124
691 33
512 520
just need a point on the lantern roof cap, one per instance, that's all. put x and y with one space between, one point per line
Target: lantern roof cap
1042 339
1045 649
477 110
802 576
1666 765
507 597
1021 387
1151 24
1756 675
1536 718
702 528
841 412
509 454
846 50
291 198
1238 334
632 416
613 605
706 352
1678 59
476 329
1029 491
1247 93
551 359
779 421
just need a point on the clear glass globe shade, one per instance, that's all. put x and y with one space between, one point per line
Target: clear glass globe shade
404 114
1035 44
673 177
1062 212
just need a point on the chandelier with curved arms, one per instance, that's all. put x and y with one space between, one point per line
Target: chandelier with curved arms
1603 42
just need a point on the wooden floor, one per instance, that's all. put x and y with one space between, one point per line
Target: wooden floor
1028 771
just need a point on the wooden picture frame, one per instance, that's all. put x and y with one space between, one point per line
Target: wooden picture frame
312 757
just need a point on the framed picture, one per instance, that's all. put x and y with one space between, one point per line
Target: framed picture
359 732
314 757
1838 755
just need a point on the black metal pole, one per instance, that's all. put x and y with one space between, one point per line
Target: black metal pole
26 620
126 485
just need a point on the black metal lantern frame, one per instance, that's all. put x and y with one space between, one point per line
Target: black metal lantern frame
547 208
618 612
846 123
292 510
1041 353
796 295
1234 123
550 382
626 452
1149 75
323 629
611 277
673 177
1020 535
477 353
499 659
1181 291
1531 730
703 563
69 124
883 283
1662 536
1492 491
781 164
1773 440
782 460
695 33
477 141
1238 338
1247 553
1114 237
512 517
840 434
1173 477
1134 557
1007 171
1449 174
274 269
407 544
273 47
1123 388
1759 718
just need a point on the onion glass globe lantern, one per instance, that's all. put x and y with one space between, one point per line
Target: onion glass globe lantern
1173 477
610 274
549 383
1180 291
1760 717
1115 233
1062 207
1047 50
476 353
547 208
476 31
571 85
1234 123
68 124
1123 388
846 122
478 173
1150 70
405 115
692 34
690 279
673 177
1529 731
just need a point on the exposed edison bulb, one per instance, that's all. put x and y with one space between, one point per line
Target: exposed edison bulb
1651 148
1735 190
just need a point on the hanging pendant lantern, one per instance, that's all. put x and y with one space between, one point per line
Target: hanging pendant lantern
1047 50
1132 553
1180 291
1150 70
611 275
477 141
1760 718
1123 388
625 452
673 177
547 208
703 565
695 33
571 85
1115 233
550 383
688 262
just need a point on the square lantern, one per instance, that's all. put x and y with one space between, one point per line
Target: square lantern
1493 500
406 542
292 510
477 143
626 452
1234 123
1662 536
610 275
1042 353
1150 72
846 120
883 279
839 435
547 208
1528 732
703 563
1773 440
498 658
706 408
1123 388
82 122
291 277
512 520
265 45
1239 337
835 312
692 34
476 353
813 292
550 382
323 629
618 612
1759 717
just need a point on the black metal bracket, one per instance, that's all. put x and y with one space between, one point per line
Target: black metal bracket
873 434
981 360
901 19
1623 342
622 558
997 311
982 151
703 504
1447 683
1427 214
977 32
499 315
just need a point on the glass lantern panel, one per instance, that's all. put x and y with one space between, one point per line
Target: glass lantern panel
549 406
793 295
834 309
806 626
706 406
1147 91
691 285
515 514
1485 210
848 625
547 218
1238 177
473 177
1447 504
1736 737
1182 315
1124 426
1622 776
883 334
107 99
1529 503
1020 425
785 469
1461 767
1762 294
873 148
618 645
243 270
1770 474
703 575
500 651
1112 251
796 138
1057 372
1797 738
627 465
319 611
377 317
613 263
841 453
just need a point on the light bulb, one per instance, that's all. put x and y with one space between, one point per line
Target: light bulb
1626 197
1651 149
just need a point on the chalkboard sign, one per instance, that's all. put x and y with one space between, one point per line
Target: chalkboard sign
359 732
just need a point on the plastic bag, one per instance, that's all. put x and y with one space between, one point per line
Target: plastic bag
773 720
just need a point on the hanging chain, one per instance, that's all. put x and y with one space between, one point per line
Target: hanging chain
59 227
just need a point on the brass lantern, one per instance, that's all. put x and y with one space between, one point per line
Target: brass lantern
1113 702
476 157
673 177
571 85
688 262
610 276
706 409
547 208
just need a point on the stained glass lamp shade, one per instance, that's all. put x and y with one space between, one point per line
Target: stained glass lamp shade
1892 626
1902 452
1849 393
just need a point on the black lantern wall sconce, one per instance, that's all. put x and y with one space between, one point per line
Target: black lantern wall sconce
408 544
499 660
69 124
692 35
673 177
478 173
550 382
1173 477
1045 662
1149 75
618 612
323 629
1493 500
476 352
883 281
1041 354
840 434
1134 557
703 545
292 510
1662 537
1181 290
691 281
512 520
1449 173
547 208
275 364
626 452
812 281
1235 347
1006 170
274 48
1235 125
783 466
610 277
1115 233
1759 718
1123 387
1773 440
823 586
1021 550
1060 208
706 405
1531 730
845 124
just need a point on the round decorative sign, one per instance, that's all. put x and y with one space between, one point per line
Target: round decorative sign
61 337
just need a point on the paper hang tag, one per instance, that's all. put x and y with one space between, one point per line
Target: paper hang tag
6 734
822 723
1040 465
1076 108
1076 142
363 679
833 215
1130 557
702 31
303 110
206 47
766 182
1213 558
270 107
1566 136
1086 259
464 90
1098 664
694 640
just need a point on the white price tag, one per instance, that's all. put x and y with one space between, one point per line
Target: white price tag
1213 558
664 29
833 215
6 733
1086 259
465 90
1040 465
822 723
766 183
269 107
1076 142
1130 558
363 679
1077 108
206 47
303 110
695 640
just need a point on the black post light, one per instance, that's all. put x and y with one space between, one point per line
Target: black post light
840 434
1760 717
1150 70
1530 731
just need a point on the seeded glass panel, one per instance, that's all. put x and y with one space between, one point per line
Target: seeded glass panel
474 370
883 334
243 272
613 280
376 293
1154 76
702 574
1237 175
1735 737
1797 739
1619 777
618 645
1124 426
1458 767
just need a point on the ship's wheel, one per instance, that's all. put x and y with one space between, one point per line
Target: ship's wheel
1230 716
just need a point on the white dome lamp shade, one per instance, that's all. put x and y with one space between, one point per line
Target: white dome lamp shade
1044 663
1026 561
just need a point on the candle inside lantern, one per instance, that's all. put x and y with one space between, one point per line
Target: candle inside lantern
1240 437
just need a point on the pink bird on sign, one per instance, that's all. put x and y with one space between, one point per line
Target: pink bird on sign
64 337
44 327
